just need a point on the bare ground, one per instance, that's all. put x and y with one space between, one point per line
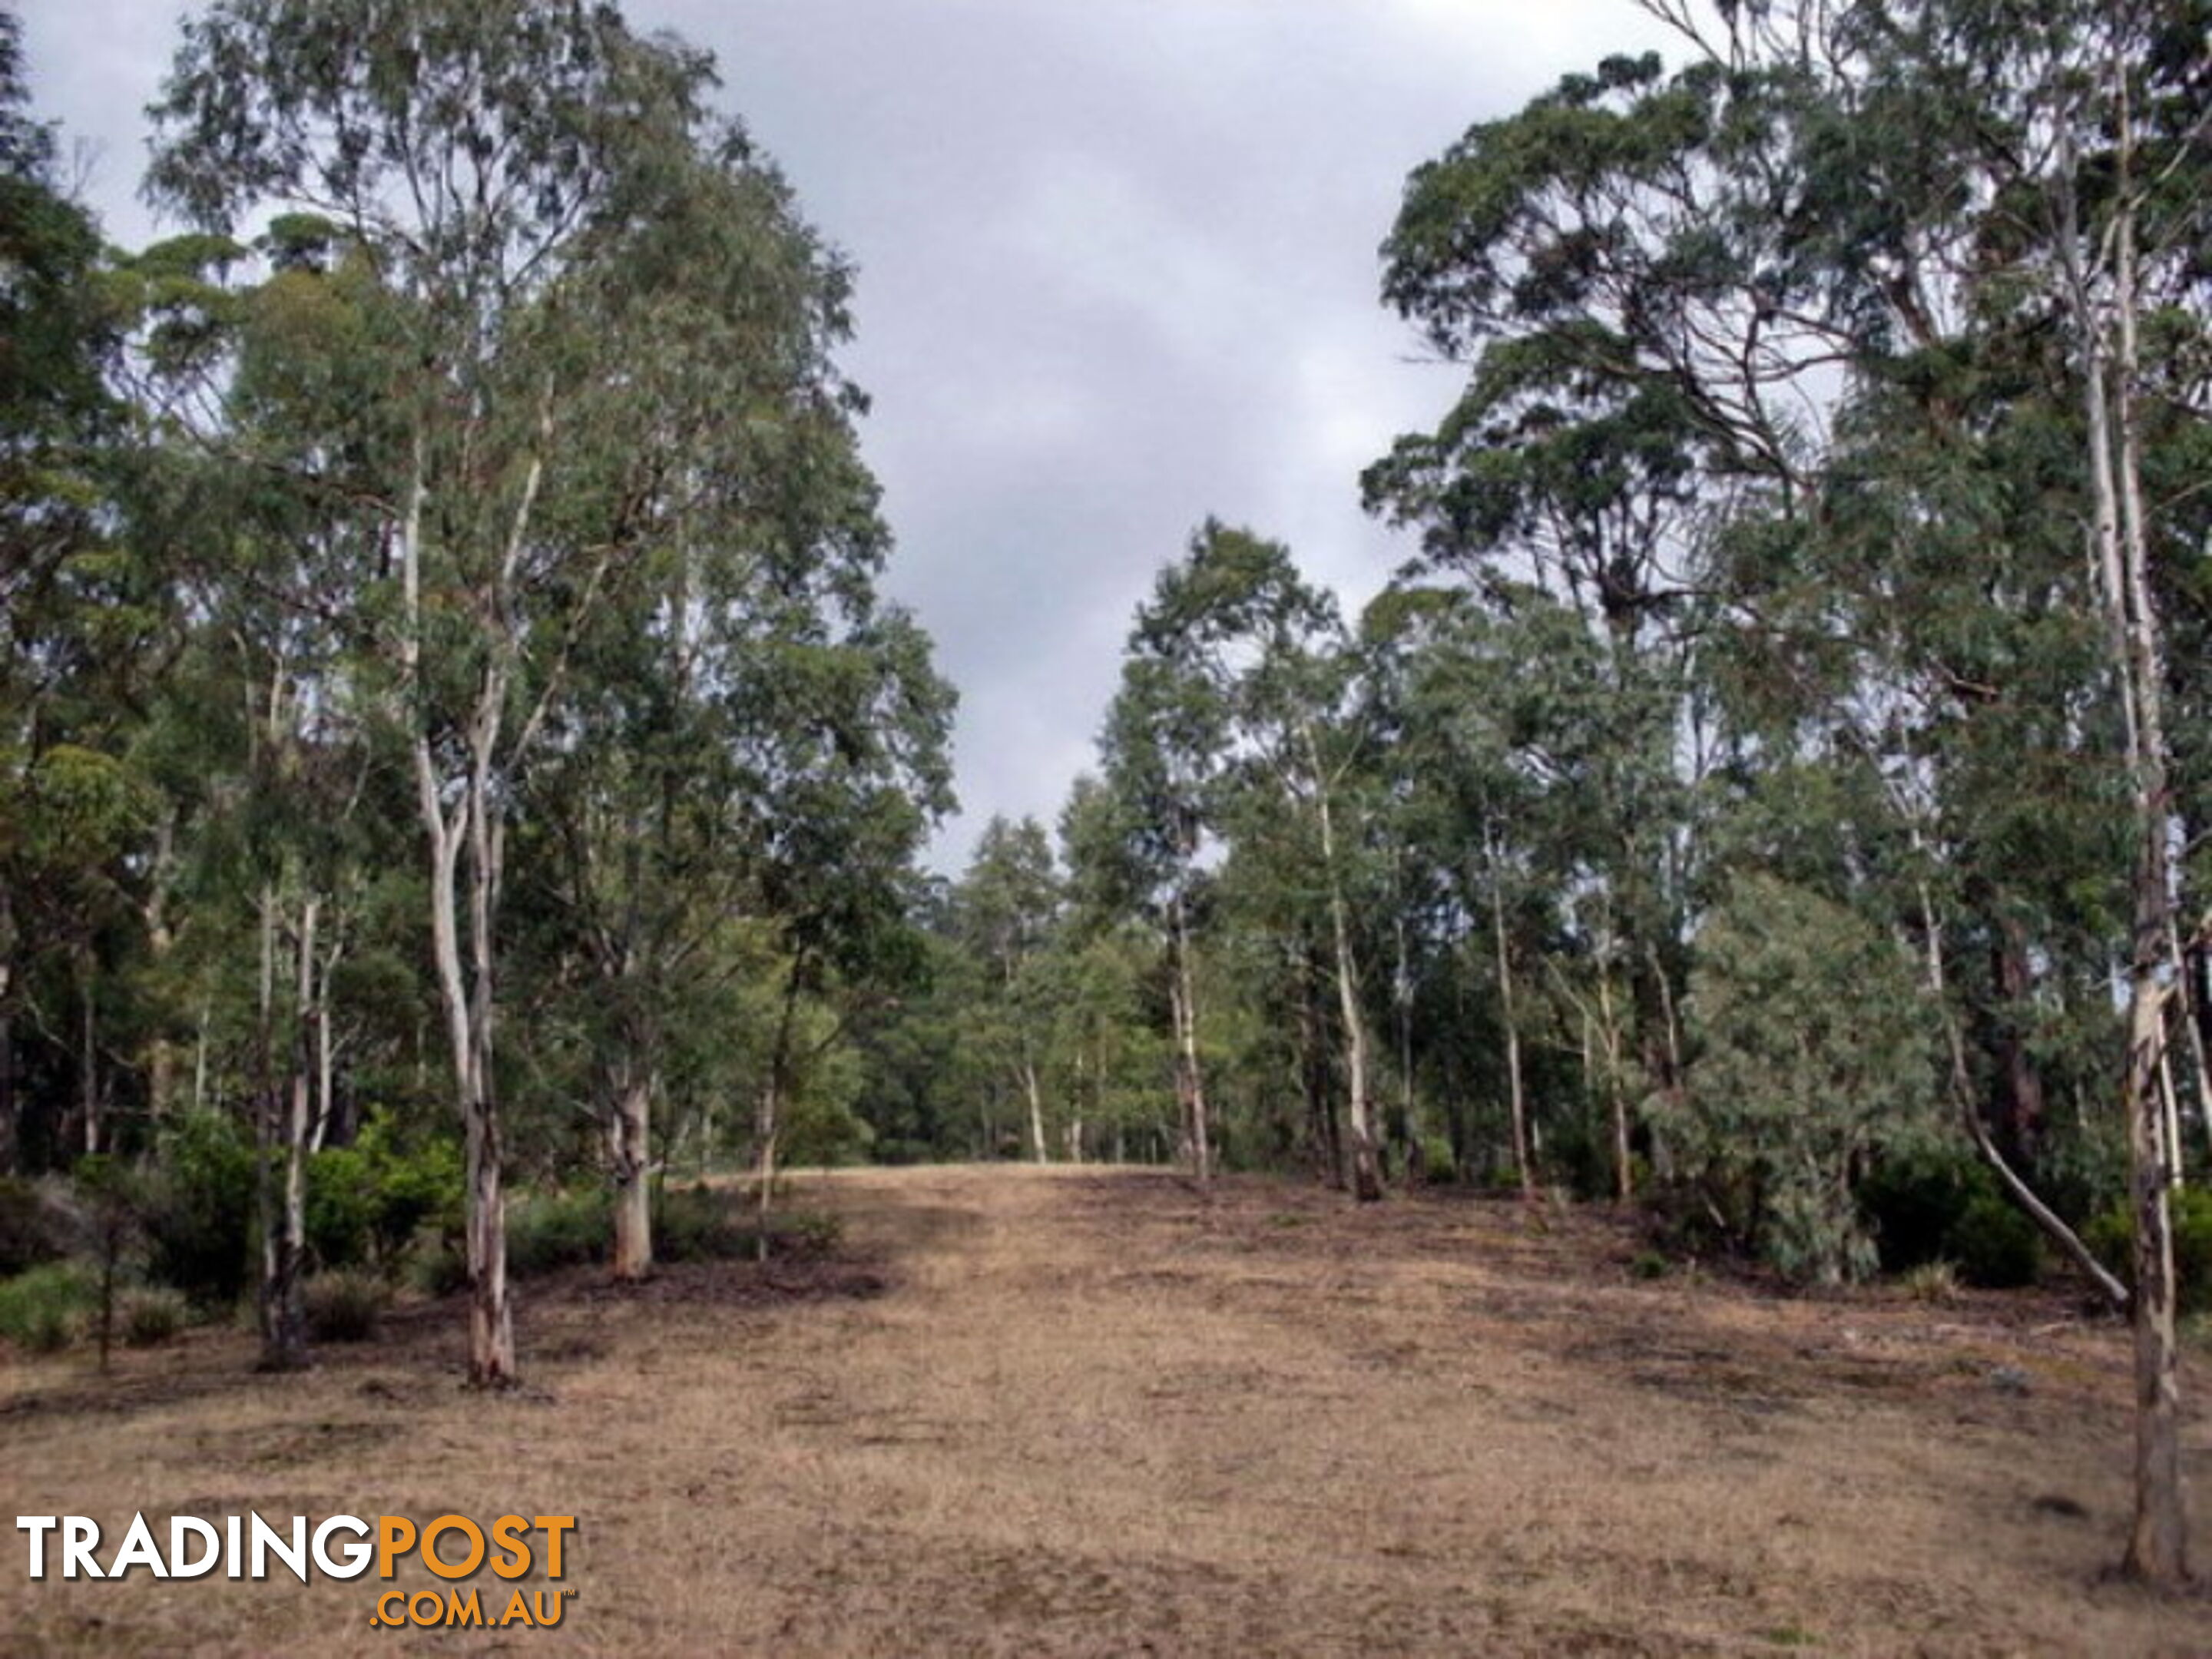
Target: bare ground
1041 1412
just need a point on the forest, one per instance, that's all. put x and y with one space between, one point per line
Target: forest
463 794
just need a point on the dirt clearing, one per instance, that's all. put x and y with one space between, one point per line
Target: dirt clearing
1044 1412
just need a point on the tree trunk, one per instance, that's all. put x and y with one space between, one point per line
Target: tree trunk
466 993
1366 1174
1190 1084
630 1146
2023 1084
1624 1173
1327 1147
1038 1150
284 1340
2157 1547
1523 1169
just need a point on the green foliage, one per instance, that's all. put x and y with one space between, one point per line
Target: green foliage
443 1269
31 1232
343 1307
723 1223
548 1231
367 1203
2111 1236
1995 1245
199 1210
45 1309
1814 1061
1926 1204
1913 1198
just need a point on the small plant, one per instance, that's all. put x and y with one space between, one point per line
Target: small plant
151 1315
343 1307
812 1232
30 1230
43 1312
1935 1282
1649 1265
440 1271
1997 1248
548 1231
2112 1237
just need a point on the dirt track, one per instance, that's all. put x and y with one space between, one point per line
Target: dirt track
1060 1412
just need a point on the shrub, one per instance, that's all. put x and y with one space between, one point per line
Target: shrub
198 1215
343 1307
1813 1040
1994 1246
341 1203
704 1223
1911 1200
548 1231
31 1233
1932 1281
1942 1204
151 1315
43 1310
443 1269
2111 1237
367 1202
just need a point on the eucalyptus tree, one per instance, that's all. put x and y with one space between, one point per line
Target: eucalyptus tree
521 183
1164 755
742 703
1861 257
75 618
1007 908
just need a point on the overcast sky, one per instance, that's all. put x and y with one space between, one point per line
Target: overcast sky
1117 272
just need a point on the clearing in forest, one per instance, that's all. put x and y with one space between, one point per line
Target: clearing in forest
1031 1411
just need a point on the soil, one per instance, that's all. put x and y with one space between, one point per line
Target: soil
1026 1412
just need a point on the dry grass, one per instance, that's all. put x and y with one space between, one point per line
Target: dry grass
1056 1412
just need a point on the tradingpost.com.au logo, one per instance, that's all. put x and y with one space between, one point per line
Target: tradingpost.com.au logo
338 1546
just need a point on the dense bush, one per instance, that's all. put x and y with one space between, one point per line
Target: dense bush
44 1310
2111 1237
1812 1040
367 1203
343 1307
1994 1244
151 1316
199 1209
31 1233
1913 1199
547 1231
1942 1204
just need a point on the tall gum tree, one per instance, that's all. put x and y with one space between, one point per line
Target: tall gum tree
495 165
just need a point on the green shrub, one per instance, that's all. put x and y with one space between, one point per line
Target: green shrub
806 1232
704 1223
343 1307
43 1310
367 1202
31 1232
441 1270
1993 1245
1439 1168
151 1315
2111 1237
341 1205
198 1209
548 1231
1912 1200
1942 1204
